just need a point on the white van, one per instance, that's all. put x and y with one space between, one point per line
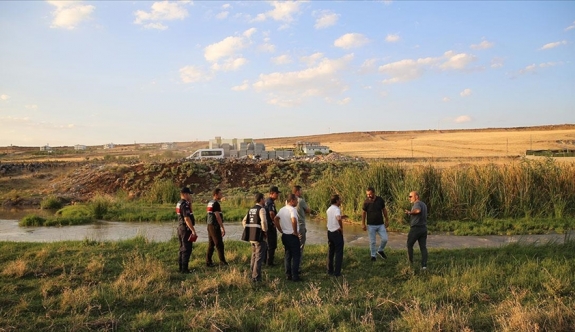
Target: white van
207 154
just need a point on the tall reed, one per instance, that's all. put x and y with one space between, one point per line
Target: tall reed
523 189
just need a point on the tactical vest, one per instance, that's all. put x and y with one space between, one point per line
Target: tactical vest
253 230
180 211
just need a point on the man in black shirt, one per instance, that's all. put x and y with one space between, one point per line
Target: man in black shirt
374 211
272 235
186 223
216 230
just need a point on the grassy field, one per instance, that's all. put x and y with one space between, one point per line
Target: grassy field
134 286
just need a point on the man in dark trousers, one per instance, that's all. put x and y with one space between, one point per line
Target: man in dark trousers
216 230
418 229
186 222
287 224
272 234
334 237
255 227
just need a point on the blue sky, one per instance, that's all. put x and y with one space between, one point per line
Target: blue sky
82 72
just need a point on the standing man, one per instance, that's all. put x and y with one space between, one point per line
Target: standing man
334 237
418 230
216 231
272 234
302 209
374 211
255 227
186 222
286 222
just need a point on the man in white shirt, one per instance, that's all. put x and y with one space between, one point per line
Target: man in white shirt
334 236
286 222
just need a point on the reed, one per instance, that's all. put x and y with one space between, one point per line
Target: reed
526 189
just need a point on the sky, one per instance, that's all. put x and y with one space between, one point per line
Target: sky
97 72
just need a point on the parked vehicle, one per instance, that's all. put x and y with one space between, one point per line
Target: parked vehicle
207 154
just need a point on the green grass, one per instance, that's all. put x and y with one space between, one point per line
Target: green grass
133 285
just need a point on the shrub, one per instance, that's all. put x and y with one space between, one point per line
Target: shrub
32 220
100 205
51 203
163 191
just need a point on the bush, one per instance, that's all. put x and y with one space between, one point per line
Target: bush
51 203
32 220
163 191
99 205
74 211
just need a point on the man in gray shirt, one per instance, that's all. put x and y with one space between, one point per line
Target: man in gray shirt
418 230
302 209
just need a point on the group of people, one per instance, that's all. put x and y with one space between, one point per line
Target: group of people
263 221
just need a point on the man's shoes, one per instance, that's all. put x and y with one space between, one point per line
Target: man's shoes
288 277
185 271
224 264
210 264
373 258
298 279
256 280
424 268
382 254
336 275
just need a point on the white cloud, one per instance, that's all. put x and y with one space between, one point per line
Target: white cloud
288 89
406 70
465 93
457 61
351 40
344 101
392 38
571 27
310 60
161 11
69 14
462 119
553 45
284 102
532 68
497 62
228 47
31 107
226 6
325 19
409 69
222 15
446 99
242 87
267 47
368 66
550 64
283 11
482 46
4 97
230 64
191 74
282 59
157 26
249 32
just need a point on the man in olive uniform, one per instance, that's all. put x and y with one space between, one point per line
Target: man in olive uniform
186 222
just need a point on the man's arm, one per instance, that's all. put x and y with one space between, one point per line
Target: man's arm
277 224
188 221
363 216
294 225
263 220
386 217
218 215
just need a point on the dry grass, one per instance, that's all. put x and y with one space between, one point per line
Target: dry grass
488 144
15 269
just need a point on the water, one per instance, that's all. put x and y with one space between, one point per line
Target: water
161 232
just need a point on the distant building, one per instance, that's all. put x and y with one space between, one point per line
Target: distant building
78 147
109 146
46 148
311 148
168 146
